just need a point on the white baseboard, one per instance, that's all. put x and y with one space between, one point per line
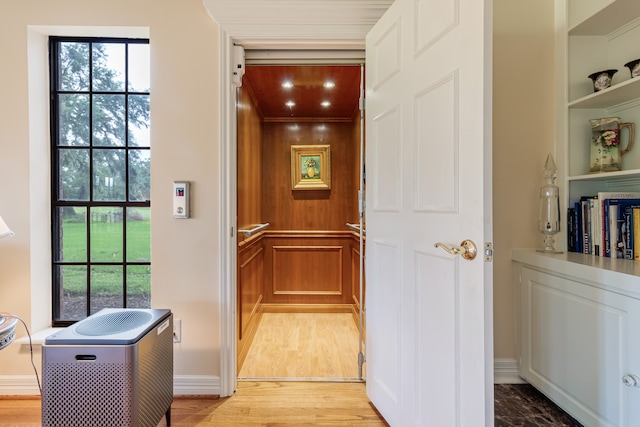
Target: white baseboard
505 371
26 385
19 385
196 384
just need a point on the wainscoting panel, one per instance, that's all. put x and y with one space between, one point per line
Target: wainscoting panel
355 275
307 270
250 285
303 267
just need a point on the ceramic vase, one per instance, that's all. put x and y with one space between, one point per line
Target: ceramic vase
634 67
606 151
602 79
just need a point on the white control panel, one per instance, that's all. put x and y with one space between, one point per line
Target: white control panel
181 199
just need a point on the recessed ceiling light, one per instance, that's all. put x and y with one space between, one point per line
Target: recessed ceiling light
325 104
329 84
287 84
290 104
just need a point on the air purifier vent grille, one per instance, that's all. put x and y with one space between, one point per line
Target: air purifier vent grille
97 383
113 323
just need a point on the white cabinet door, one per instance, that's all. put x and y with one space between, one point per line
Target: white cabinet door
578 343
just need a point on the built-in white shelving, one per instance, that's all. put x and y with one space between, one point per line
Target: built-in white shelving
576 310
618 94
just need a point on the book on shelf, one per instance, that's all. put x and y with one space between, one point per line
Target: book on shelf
571 230
574 228
635 232
586 226
595 226
614 223
628 225
619 215
611 227
578 221
604 223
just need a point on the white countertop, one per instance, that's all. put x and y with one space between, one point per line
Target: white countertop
618 275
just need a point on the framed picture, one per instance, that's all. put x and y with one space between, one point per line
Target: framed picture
310 167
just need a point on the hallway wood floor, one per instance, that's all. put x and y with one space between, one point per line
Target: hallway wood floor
255 404
262 404
273 404
303 345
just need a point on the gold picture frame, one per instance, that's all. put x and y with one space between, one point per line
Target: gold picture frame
310 167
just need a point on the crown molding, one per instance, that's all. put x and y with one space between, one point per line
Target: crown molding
297 24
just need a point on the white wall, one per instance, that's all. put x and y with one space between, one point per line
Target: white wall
523 132
185 146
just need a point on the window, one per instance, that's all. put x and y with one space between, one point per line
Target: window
100 158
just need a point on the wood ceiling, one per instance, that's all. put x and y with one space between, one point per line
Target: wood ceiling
308 91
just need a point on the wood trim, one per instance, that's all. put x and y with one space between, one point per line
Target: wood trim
283 279
250 281
248 336
306 308
248 241
308 120
20 397
316 234
355 313
258 252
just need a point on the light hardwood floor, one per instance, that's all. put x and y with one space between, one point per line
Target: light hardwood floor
272 404
303 345
255 404
287 345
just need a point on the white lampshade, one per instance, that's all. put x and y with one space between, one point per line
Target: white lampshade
4 229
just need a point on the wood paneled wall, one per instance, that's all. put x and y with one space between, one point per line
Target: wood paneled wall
308 267
357 125
250 274
264 171
249 160
250 285
287 209
355 278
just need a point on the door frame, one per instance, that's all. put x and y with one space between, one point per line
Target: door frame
228 215
260 24
228 171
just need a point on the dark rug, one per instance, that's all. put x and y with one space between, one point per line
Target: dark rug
521 405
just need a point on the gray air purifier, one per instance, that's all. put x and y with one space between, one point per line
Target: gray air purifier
112 369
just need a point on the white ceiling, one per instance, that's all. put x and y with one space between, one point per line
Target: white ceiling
297 24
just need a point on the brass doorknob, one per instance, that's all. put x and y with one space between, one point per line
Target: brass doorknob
467 249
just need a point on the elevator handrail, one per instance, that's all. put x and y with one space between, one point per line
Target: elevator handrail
254 230
356 227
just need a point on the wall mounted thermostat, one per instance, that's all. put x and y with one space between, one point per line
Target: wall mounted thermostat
181 199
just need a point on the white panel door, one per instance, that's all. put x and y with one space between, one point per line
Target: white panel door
428 163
